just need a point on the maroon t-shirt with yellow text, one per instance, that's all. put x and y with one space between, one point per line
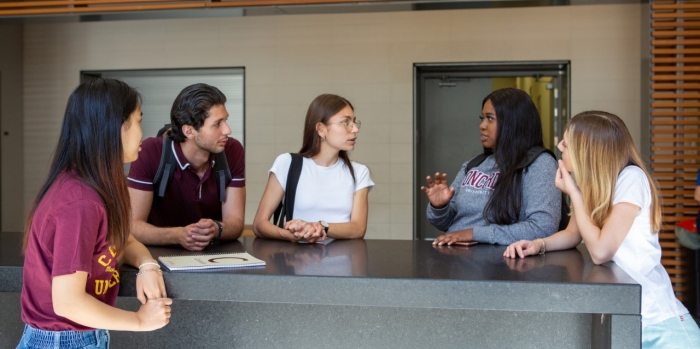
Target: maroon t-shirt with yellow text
68 234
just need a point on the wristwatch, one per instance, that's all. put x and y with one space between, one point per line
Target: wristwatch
221 229
325 226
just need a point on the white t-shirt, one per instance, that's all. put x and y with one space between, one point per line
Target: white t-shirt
640 252
323 193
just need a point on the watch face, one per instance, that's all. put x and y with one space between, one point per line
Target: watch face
323 223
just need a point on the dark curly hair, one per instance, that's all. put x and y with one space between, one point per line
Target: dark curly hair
191 107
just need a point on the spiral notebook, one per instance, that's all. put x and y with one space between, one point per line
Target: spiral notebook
210 261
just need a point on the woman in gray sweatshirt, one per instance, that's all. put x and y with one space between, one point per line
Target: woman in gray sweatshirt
498 201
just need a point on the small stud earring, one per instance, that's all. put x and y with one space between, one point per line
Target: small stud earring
323 139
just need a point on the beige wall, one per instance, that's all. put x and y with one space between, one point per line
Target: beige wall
367 58
11 134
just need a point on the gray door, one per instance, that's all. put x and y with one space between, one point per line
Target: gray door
448 133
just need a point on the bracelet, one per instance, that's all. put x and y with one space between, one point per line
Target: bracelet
149 263
147 270
544 247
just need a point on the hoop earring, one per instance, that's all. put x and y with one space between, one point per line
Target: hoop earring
323 139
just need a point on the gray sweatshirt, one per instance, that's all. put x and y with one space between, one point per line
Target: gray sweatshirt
539 213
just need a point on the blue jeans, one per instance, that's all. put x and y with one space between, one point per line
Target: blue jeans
678 332
33 338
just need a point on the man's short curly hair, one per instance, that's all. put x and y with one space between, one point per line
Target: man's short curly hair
191 107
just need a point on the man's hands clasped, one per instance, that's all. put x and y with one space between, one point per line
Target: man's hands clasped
197 236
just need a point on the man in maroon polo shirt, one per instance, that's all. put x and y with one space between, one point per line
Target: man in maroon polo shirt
190 212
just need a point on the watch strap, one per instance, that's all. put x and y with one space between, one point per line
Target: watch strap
221 228
325 226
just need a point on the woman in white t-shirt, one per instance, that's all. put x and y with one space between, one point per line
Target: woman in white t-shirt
617 213
331 196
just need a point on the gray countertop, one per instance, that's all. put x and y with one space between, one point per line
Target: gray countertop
392 273
374 294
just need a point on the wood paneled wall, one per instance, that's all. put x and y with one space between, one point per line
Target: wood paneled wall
675 121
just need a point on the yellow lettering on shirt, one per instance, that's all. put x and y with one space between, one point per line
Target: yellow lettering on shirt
100 288
101 260
103 286
115 275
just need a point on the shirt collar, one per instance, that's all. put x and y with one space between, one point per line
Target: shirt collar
177 151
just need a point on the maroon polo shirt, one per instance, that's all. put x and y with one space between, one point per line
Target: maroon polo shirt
187 198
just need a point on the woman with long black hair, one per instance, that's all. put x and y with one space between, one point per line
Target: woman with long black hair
78 229
499 201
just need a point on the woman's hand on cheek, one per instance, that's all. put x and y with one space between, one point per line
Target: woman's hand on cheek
563 180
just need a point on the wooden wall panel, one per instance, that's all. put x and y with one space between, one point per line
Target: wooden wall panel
675 124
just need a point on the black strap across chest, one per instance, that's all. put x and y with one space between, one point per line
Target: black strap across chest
285 209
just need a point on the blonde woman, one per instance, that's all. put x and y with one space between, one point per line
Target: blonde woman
617 213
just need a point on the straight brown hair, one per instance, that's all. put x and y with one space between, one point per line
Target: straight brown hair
321 109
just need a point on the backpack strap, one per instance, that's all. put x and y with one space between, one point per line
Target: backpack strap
475 162
166 168
287 204
532 155
565 213
164 130
222 174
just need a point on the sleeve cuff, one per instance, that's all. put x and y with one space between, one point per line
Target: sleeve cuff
482 234
140 185
237 183
438 212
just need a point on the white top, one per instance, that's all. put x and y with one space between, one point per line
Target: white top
323 193
640 252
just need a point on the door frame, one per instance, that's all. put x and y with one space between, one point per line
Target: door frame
466 70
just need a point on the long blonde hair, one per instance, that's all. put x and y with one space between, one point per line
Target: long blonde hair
600 147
